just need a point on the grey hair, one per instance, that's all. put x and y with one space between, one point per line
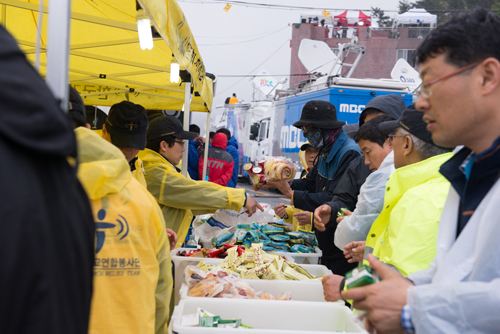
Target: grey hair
424 149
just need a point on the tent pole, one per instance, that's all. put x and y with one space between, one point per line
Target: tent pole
58 50
187 104
205 152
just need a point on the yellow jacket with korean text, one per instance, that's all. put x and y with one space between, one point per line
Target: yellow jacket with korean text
179 196
138 173
132 268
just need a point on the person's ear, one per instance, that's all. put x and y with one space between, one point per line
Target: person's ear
408 145
490 71
104 131
163 145
388 142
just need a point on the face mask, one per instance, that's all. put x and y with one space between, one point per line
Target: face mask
315 137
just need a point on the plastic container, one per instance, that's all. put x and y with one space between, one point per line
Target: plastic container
302 258
268 317
306 291
181 262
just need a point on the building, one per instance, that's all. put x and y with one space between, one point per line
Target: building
384 46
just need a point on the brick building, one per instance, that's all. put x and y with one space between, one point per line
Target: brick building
383 48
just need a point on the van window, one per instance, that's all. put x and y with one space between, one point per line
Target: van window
263 131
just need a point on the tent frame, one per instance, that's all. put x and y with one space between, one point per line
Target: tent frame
58 51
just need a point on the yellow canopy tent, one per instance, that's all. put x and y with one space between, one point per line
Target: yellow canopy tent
106 63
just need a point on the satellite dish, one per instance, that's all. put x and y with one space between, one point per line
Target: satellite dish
265 82
405 73
316 56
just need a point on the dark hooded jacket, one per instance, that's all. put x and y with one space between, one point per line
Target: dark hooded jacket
220 163
345 195
193 159
46 227
232 148
390 104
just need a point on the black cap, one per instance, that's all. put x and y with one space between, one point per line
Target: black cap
168 126
411 121
76 108
305 146
390 104
127 125
319 114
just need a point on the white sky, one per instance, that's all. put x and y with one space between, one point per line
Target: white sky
270 30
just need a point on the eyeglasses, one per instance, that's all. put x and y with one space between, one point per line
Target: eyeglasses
306 128
180 142
391 137
425 88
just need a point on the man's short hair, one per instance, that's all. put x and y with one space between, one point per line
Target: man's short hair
371 132
194 128
154 144
424 149
226 132
211 135
466 38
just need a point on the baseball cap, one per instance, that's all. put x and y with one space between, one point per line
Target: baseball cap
305 146
163 126
411 121
76 108
127 124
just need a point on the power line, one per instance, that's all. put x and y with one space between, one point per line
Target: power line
224 37
289 7
237 82
256 75
241 42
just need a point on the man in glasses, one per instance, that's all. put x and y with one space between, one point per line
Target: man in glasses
460 99
319 123
178 195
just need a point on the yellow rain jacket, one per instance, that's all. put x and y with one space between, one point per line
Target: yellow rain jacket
178 195
405 233
290 210
132 268
139 173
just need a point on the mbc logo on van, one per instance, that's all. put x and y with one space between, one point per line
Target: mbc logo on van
352 108
291 138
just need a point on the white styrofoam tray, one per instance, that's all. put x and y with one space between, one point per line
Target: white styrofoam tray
268 317
307 291
302 258
181 262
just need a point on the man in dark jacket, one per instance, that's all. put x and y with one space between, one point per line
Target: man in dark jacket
46 227
319 123
193 156
232 148
346 193
220 163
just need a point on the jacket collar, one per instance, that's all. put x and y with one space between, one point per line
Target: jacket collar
410 176
151 157
339 142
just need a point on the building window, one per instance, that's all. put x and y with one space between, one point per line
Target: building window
407 55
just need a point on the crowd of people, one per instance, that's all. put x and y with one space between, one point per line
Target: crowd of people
90 215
